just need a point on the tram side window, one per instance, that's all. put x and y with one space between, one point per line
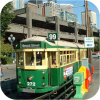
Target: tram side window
64 59
20 58
53 58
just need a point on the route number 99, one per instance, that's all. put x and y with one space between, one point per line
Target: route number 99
52 36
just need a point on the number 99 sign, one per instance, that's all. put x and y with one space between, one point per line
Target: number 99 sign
52 36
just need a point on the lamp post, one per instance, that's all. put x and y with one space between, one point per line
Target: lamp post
11 39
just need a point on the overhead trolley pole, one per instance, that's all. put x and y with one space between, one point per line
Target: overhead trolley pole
88 29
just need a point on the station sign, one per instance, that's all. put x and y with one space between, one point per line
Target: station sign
52 36
89 42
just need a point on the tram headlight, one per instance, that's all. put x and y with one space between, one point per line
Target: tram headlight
30 78
19 82
43 83
43 72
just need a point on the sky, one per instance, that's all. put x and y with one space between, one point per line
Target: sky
78 10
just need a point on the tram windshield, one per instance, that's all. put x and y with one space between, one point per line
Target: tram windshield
31 58
34 58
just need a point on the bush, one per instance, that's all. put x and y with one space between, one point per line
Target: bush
6 60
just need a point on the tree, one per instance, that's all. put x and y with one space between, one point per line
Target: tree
7 16
96 42
6 49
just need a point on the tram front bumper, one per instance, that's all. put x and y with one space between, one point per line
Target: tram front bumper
42 90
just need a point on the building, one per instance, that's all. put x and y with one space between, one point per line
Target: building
70 17
18 4
66 7
33 7
49 9
41 10
53 1
36 1
92 18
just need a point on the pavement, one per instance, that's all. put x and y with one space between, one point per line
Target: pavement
93 88
10 73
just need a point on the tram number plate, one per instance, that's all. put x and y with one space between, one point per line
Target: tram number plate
31 84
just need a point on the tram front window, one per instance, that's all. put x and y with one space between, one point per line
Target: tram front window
30 58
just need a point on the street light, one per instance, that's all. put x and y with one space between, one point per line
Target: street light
11 39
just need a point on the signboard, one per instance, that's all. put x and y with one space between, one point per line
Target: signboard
68 71
52 36
30 45
89 42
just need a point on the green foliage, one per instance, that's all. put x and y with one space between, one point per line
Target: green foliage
6 49
6 17
96 42
6 60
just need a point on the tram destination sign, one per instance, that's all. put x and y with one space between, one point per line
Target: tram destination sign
30 45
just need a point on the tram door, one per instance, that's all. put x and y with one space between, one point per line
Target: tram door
53 70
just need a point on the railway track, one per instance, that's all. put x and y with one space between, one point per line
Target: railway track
63 93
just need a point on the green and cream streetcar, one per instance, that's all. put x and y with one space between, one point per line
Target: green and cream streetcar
44 65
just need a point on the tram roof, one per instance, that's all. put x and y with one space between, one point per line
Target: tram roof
56 43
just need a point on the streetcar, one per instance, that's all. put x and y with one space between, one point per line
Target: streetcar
44 65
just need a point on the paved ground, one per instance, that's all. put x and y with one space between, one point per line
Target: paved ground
96 79
10 72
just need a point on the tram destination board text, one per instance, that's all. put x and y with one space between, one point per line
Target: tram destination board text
31 45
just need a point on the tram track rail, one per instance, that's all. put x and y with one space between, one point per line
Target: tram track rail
66 94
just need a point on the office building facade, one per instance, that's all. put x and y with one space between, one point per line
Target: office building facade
49 9
92 18
18 4
67 16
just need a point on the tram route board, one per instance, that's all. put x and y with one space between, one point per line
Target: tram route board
30 45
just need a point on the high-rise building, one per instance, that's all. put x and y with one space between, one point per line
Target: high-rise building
36 1
92 18
49 9
66 7
70 17
53 1
21 4
18 4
